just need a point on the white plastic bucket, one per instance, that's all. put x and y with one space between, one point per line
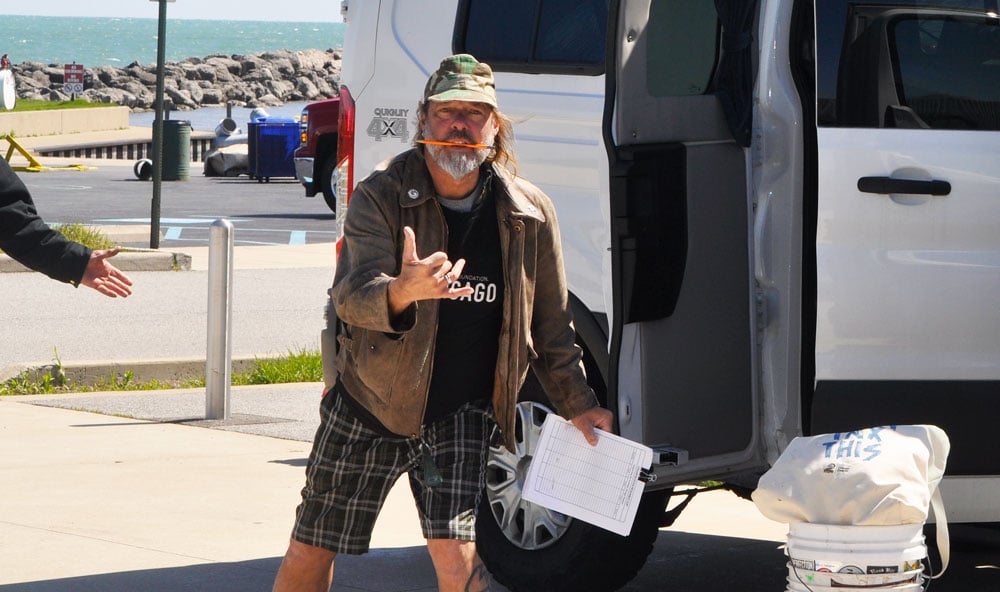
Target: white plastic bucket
833 557
803 580
795 586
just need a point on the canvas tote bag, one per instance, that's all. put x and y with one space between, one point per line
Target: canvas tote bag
878 476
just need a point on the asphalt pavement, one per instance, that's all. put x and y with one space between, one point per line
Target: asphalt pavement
107 193
138 491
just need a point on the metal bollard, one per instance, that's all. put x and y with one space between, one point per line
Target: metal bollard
219 358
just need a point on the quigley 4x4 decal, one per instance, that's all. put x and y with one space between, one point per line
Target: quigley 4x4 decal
389 123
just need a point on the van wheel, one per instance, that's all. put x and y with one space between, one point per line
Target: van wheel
528 548
326 181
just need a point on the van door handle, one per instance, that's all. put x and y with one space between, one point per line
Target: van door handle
887 185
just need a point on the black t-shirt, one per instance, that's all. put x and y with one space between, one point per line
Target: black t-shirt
468 336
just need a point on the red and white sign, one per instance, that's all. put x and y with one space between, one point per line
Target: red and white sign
73 79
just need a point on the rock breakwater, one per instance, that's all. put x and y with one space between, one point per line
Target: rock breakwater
263 79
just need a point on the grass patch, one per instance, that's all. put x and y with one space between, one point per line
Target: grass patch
301 366
40 105
86 235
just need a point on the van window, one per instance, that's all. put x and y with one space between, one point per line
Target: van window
683 47
550 36
908 64
948 71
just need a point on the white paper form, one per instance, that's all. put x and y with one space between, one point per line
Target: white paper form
597 484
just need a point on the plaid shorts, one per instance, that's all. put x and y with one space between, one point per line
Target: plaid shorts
352 468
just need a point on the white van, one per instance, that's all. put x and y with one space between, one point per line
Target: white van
779 218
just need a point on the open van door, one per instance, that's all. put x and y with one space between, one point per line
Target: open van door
683 368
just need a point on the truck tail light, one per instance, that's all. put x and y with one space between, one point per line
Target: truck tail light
304 127
345 158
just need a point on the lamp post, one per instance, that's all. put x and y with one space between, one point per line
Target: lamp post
161 43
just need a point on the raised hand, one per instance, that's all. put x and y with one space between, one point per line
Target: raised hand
434 276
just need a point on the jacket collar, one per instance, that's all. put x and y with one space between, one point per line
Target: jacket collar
417 186
520 204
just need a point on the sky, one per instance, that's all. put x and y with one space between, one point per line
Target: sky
244 10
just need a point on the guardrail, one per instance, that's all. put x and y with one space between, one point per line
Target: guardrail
130 149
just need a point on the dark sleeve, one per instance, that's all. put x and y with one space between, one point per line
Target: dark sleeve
28 239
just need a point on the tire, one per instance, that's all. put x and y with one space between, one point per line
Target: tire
143 169
325 180
528 548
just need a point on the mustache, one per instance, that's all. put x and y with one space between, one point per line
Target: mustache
459 144
458 136
455 138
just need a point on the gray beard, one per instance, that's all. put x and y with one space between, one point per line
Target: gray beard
460 165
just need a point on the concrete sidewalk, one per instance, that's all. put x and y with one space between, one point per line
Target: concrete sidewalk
98 502
94 502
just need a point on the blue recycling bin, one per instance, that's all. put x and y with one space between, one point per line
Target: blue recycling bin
271 145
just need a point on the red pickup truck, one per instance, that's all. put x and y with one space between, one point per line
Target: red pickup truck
316 157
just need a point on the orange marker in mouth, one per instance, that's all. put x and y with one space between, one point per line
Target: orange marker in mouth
456 144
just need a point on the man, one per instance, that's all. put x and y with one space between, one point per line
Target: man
28 239
450 267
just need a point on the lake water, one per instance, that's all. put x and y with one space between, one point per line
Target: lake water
100 41
207 118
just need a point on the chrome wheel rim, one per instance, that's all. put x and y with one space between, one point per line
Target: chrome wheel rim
528 526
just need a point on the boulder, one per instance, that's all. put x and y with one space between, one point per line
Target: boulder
181 98
263 79
194 91
213 96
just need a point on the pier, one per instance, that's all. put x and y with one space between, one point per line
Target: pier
132 144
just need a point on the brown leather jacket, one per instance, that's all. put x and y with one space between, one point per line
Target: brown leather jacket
385 363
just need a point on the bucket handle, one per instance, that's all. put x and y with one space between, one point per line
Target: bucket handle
941 528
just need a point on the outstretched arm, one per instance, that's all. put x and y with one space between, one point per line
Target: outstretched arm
29 240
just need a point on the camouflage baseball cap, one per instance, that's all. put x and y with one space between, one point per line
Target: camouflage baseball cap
462 77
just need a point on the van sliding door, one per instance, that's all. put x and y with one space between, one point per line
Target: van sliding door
908 252
682 346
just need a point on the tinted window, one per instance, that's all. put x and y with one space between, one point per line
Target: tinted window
948 71
908 64
534 35
500 31
683 47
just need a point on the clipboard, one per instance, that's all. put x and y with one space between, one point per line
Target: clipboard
601 484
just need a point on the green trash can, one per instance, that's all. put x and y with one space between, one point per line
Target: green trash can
176 150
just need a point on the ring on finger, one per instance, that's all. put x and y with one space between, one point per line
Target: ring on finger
447 277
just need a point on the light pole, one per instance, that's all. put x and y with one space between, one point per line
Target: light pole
161 44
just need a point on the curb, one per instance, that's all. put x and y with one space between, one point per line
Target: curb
92 373
130 260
